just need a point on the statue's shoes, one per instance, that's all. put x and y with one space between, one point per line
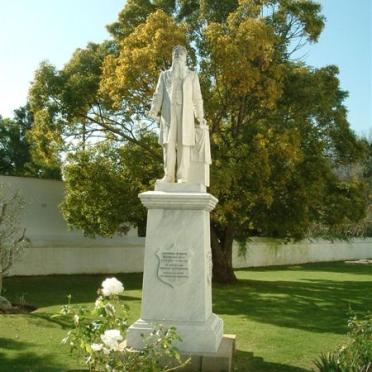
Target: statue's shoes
181 180
166 179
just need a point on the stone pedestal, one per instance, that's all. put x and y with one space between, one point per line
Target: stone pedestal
178 268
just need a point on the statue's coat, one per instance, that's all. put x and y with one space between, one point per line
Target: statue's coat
192 106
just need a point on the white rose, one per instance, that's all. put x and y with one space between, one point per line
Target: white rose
112 286
76 319
111 339
96 347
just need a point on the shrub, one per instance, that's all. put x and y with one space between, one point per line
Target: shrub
356 354
98 336
12 237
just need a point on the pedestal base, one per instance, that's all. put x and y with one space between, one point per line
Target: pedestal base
197 337
220 361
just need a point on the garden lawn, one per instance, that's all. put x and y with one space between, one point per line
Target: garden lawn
284 317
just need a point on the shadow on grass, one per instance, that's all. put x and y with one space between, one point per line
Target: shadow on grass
45 320
312 305
25 361
247 362
10 344
44 291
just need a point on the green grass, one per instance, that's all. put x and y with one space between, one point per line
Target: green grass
283 317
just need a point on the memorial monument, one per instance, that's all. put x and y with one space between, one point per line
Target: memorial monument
178 262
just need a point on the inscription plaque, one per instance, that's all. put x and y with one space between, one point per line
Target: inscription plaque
173 267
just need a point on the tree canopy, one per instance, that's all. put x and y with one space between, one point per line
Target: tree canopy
16 149
278 127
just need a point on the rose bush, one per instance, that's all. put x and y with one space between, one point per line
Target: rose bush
98 336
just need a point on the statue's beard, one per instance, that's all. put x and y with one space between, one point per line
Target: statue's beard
178 70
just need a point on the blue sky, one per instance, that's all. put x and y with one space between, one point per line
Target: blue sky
35 30
346 41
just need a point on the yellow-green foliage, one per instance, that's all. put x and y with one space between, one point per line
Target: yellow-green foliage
131 75
242 50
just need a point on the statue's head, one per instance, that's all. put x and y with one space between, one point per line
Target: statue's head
179 54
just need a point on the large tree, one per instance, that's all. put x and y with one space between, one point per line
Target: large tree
278 127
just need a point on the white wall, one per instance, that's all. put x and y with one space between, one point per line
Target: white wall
80 260
106 257
56 250
268 252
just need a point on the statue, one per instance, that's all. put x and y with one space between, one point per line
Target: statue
178 258
176 103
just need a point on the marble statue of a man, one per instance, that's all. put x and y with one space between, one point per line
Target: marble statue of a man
176 103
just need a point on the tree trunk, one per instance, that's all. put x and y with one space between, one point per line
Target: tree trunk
222 256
